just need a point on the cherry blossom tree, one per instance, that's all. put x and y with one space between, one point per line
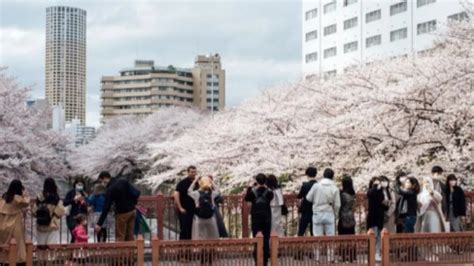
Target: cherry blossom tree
406 114
122 141
29 150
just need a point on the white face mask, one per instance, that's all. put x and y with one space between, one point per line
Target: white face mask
452 183
384 184
79 187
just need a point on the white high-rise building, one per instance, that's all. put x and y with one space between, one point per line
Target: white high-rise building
341 33
65 61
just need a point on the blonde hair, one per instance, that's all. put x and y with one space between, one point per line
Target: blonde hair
205 183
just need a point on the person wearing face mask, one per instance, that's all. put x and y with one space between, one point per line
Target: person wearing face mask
76 201
389 203
376 210
456 207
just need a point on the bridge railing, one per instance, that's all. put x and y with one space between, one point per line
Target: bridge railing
117 253
328 250
248 251
161 215
397 249
427 248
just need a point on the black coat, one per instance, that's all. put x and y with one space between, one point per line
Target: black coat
305 205
122 194
375 216
458 201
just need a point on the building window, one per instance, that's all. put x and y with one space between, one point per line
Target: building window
330 7
311 35
350 23
349 2
398 34
420 3
373 16
426 27
350 47
458 17
330 52
311 14
312 57
331 29
398 8
373 41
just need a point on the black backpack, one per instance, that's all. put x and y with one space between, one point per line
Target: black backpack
43 216
205 208
261 205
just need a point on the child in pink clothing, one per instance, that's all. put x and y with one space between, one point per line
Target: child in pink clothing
80 231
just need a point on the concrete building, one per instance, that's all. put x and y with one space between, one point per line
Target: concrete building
79 134
145 88
341 33
65 61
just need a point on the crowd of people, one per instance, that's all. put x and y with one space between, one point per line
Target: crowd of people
431 204
77 206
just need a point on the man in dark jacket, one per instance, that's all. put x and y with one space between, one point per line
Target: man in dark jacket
125 197
185 205
306 207
261 214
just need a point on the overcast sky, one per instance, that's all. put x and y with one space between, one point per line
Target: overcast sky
259 41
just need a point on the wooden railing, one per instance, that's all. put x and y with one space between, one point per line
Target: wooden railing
161 215
328 250
119 253
424 248
397 249
243 252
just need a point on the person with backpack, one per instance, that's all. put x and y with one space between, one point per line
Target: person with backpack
48 210
306 209
124 196
76 202
204 221
261 214
13 204
96 203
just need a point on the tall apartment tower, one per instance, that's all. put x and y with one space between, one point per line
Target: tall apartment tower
65 64
145 88
340 33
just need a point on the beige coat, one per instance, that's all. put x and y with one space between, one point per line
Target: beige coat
12 224
56 211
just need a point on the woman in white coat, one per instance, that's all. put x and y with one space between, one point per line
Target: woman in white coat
276 204
430 218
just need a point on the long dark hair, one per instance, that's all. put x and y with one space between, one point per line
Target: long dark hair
272 182
347 185
15 188
415 183
449 178
50 191
372 180
387 189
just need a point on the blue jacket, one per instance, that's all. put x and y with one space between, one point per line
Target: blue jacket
97 202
